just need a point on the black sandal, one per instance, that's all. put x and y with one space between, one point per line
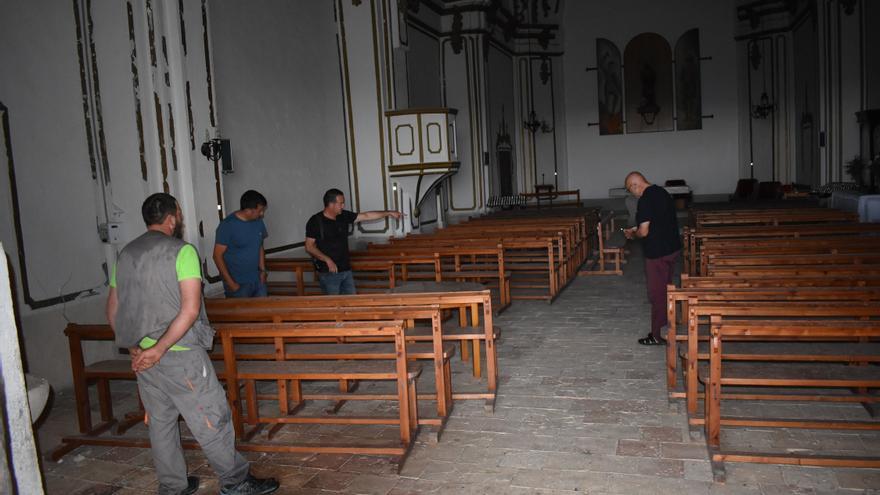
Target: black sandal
650 340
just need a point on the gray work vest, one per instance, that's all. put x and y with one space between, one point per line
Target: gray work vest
149 293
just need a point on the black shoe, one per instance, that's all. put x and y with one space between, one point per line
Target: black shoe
650 340
251 486
192 485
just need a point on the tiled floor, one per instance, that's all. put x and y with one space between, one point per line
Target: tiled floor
581 409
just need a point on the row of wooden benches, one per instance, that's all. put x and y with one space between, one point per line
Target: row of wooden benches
701 241
291 340
805 284
519 257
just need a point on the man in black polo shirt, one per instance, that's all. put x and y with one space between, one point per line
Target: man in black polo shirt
657 224
327 241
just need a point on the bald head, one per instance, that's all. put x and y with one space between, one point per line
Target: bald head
636 183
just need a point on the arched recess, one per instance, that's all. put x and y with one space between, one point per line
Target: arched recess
648 82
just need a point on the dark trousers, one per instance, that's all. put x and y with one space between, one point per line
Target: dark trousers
658 273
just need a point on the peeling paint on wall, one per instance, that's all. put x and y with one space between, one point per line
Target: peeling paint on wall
208 72
189 117
136 89
152 33
173 138
85 90
96 95
160 131
182 25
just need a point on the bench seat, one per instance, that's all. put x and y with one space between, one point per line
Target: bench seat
323 370
300 352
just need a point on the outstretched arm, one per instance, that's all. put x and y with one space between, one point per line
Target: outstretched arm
367 216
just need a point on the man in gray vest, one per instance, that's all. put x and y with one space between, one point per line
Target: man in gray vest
155 308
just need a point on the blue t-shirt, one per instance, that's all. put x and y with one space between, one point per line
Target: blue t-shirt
242 240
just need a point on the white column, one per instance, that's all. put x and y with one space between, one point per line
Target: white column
362 43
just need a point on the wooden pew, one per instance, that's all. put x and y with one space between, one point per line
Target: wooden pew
724 262
535 263
381 276
699 311
694 238
865 245
100 373
859 378
796 270
470 332
678 299
329 367
435 349
771 217
473 262
781 281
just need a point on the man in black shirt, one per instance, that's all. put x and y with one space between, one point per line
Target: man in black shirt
327 241
657 224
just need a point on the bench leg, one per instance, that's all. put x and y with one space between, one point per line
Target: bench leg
104 400
462 322
671 347
250 393
296 395
283 404
713 393
413 406
477 367
447 373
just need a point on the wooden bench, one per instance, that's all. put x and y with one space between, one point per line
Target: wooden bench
771 217
780 281
435 349
99 373
678 300
469 332
789 246
819 378
694 238
534 263
700 311
476 263
380 276
795 270
333 366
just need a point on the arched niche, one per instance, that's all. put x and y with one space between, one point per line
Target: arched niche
648 84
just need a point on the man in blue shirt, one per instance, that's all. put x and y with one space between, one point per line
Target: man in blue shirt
238 248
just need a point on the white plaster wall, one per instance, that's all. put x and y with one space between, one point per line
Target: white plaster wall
61 204
706 158
423 69
461 91
56 190
279 101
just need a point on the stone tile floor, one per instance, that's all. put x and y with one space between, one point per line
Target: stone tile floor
581 409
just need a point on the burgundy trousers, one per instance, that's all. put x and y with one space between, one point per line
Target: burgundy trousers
658 273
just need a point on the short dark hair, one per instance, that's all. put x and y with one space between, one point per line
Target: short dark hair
331 195
252 199
158 206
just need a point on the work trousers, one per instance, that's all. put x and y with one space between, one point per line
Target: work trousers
184 383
